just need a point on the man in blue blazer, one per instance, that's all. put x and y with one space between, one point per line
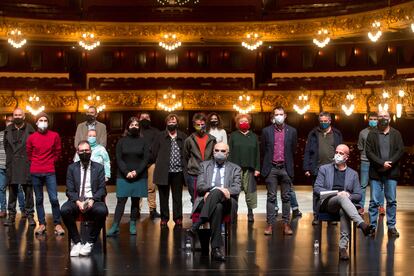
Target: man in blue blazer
85 189
337 189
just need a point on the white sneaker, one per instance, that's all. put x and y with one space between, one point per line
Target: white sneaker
86 249
76 248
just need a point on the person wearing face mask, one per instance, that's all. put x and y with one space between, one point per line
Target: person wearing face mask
337 190
99 154
278 147
319 150
132 155
198 147
364 174
169 169
43 151
91 123
150 134
214 128
245 152
86 191
219 185
18 166
384 149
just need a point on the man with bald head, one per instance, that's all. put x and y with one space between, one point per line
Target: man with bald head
343 188
218 185
384 149
18 166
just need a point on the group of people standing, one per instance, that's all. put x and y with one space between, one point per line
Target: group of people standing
214 168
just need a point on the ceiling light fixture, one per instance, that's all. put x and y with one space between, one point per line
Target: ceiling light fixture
322 38
252 41
375 32
170 42
16 39
88 41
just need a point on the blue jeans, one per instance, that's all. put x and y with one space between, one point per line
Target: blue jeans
3 186
50 180
365 182
390 189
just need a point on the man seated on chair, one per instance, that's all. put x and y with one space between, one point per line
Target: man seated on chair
217 186
340 189
85 189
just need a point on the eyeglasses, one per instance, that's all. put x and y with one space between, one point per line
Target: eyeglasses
217 150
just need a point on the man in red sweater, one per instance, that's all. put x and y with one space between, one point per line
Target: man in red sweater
43 150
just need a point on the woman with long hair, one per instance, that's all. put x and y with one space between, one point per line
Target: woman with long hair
215 128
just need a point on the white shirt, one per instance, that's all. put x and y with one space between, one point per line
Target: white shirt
220 134
88 186
221 172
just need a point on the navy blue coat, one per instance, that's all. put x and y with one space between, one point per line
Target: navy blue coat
267 149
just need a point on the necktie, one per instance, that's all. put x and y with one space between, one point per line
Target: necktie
82 197
217 179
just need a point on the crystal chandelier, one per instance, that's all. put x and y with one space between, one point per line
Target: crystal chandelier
252 41
375 32
303 106
177 2
170 42
348 110
16 39
244 104
169 102
34 106
88 41
94 100
322 38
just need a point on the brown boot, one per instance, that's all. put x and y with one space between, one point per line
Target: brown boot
268 230
286 229
343 254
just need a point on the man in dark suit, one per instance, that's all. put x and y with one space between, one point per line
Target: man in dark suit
278 146
218 184
337 189
85 189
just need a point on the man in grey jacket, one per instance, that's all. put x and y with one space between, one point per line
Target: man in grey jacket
91 123
337 190
217 186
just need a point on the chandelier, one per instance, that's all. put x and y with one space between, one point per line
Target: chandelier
244 104
94 100
399 106
375 32
322 38
88 41
383 106
34 106
303 106
169 102
348 110
170 42
177 2
412 27
252 41
16 39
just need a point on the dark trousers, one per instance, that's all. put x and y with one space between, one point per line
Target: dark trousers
314 198
70 212
214 209
120 208
278 175
192 186
29 203
175 182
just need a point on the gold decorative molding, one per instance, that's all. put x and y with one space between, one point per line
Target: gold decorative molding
208 100
329 74
33 75
391 18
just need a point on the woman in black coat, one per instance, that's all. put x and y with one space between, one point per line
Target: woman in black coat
169 169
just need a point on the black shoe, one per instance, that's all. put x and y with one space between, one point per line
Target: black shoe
366 229
10 221
250 217
154 214
31 221
191 232
343 254
296 214
393 233
217 255
315 220
333 223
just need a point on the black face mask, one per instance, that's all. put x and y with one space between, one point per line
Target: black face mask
383 122
90 119
145 123
172 127
133 131
85 157
214 123
18 121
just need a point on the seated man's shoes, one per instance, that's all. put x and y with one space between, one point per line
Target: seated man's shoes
74 252
368 230
343 254
217 255
86 249
315 220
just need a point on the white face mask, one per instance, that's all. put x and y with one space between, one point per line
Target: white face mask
278 119
339 159
42 125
